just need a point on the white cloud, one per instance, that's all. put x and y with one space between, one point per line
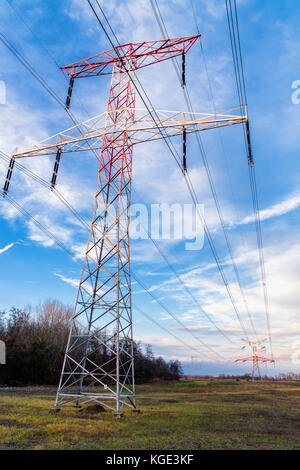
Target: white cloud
287 205
19 126
6 248
71 281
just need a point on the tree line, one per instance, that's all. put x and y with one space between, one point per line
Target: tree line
36 341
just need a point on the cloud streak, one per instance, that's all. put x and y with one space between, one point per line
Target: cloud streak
6 248
71 281
287 205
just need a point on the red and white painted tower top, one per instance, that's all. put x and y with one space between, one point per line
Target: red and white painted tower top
139 55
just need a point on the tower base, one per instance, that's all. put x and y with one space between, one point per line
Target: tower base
108 400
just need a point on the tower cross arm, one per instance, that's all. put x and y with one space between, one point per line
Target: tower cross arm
138 55
255 358
89 134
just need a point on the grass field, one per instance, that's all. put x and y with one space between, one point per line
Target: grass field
191 414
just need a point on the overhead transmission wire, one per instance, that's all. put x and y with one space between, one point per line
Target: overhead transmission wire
42 45
20 57
176 158
41 226
167 330
82 221
212 99
46 185
174 316
164 31
178 163
56 240
162 26
18 13
50 235
85 224
186 288
59 101
235 43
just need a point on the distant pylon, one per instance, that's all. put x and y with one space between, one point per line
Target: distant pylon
192 366
256 357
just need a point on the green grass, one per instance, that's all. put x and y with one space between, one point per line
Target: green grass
203 414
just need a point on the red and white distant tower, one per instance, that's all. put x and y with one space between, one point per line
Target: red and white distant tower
256 357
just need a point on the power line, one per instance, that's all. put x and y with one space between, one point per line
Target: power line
47 232
91 293
30 69
174 316
164 31
186 287
235 43
18 13
86 225
188 181
165 329
42 45
23 211
56 240
219 130
46 185
41 81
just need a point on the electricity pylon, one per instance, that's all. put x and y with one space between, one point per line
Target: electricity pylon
100 349
192 366
256 357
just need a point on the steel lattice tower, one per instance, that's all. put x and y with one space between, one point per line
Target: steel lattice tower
100 349
104 296
256 357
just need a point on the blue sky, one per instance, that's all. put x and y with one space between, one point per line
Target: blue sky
31 269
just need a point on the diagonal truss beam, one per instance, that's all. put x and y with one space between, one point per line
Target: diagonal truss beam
143 129
139 55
